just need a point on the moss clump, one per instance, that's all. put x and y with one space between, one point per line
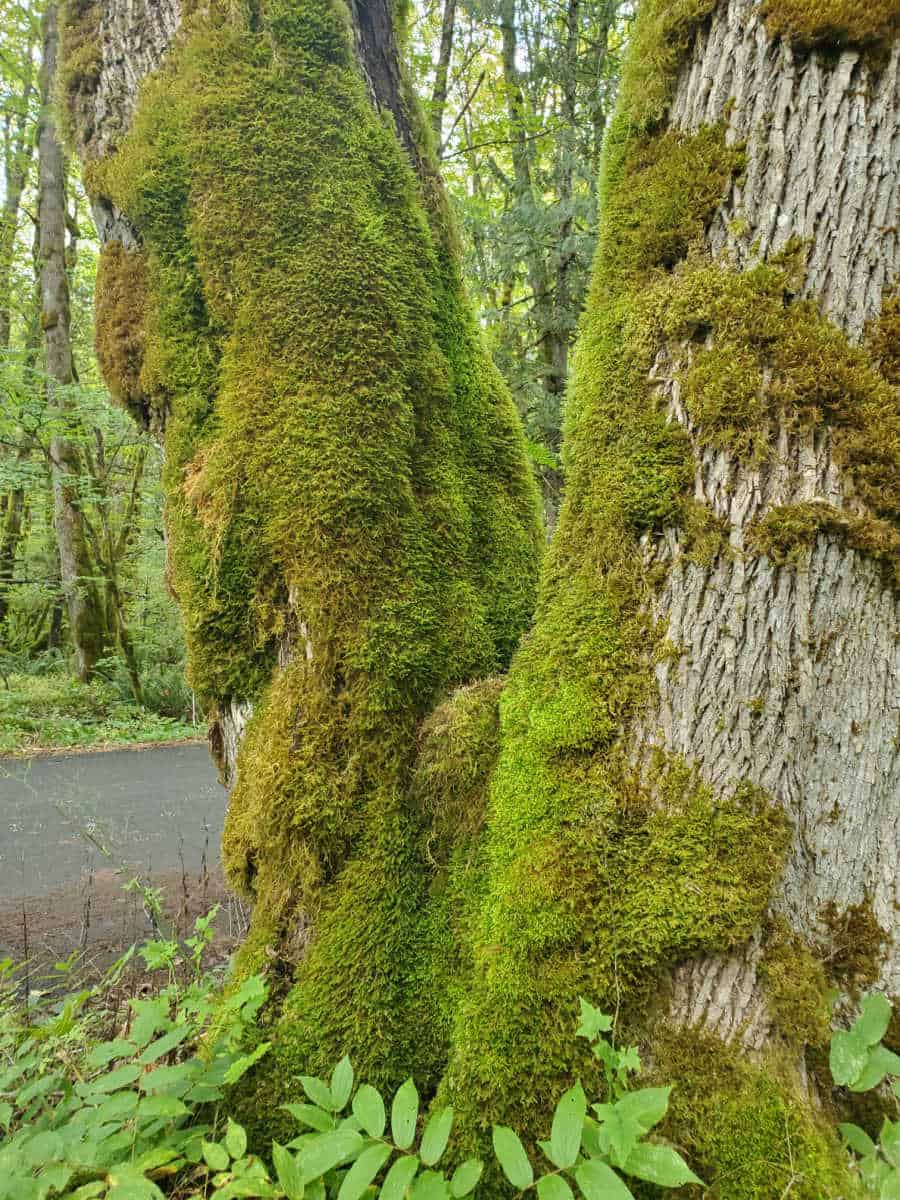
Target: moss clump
833 24
796 987
660 40
786 532
855 944
121 300
745 1126
884 338
354 522
79 63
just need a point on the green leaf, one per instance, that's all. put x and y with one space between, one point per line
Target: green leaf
399 1177
647 1106
598 1181
341 1083
111 1081
328 1150
88 1191
880 1062
5 1114
857 1139
593 1021
848 1056
430 1185
404 1114
150 1015
659 1164
890 1189
553 1187
105 1052
318 1091
565 1133
465 1177
243 1064
435 1136
235 1139
890 1142
287 1169
512 1157
311 1115
875 1016
364 1171
368 1108
623 1132
161 1106
127 1184
165 1044
215 1156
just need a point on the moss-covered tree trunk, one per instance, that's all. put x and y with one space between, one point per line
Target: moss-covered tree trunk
694 815
352 520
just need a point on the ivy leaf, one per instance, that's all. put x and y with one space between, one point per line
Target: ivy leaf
404 1113
593 1021
568 1123
512 1157
368 1108
598 1181
875 1016
435 1136
880 1062
465 1177
341 1083
847 1058
659 1164
399 1177
890 1142
318 1092
364 1171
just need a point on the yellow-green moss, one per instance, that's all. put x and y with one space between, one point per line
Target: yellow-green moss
345 477
745 1125
120 309
796 987
833 23
786 532
80 61
883 336
660 40
855 945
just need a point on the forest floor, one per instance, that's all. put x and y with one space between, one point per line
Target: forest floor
44 713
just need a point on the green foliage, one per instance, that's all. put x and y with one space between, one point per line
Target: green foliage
42 712
861 1062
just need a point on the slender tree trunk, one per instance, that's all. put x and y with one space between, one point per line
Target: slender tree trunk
17 157
442 70
82 599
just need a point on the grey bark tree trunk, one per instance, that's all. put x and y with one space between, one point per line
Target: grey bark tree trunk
76 569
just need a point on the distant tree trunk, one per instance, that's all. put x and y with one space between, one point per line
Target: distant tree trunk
352 520
82 600
442 70
17 157
695 813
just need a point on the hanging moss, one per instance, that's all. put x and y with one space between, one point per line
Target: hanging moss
833 24
120 308
353 519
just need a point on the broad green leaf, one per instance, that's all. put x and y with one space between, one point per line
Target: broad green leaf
215 1156
857 1139
593 1021
287 1169
341 1083
598 1181
659 1164
111 1081
243 1064
318 1091
880 1062
889 1140
399 1177
328 1150
430 1185
149 1016
435 1136
161 1106
89 1191
847 1058
512 1157
465 1177
105 1052
553 1187
165 1044
363 1171
647 1106
44 1147
5 1114
890 1189
623 1132
127 1184
311 1115
875 1015
174 1080
368 1108
235 1139
404 1114
568 1122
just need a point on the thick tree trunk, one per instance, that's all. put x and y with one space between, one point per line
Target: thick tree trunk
699 768
82 600
352 520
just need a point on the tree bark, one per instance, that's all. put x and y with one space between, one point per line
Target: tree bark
442 71
86 626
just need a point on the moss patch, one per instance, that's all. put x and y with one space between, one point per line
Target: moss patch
660 41
121 302
786 532
79 63
354 524
833 23
796 986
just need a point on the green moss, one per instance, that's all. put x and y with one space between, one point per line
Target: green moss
346 478
80 61
786 532
833 23
854 946
796 987
745 1125
120 311
660 40
884 338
